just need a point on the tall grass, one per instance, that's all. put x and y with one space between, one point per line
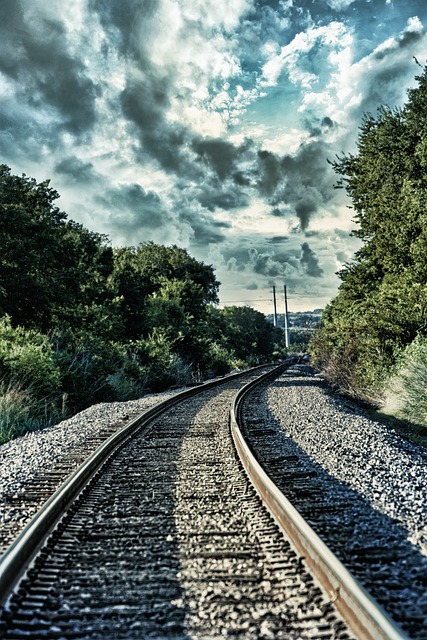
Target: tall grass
20 412
408 387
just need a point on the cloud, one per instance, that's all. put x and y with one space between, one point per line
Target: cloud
306 55
205 231
217 195
355 87
339 5
76 170
207 124
385 74
135 215
310 261
218 155
34 54
173 82
303 181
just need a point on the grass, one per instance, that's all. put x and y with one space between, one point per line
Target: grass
20 412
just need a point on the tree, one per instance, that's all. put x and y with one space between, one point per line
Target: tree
248 334
52 271
149 273
382 302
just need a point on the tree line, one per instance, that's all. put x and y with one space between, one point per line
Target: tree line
83 322
375 329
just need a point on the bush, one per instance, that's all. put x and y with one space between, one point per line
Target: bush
87 364
20 412
160 365
27 360
409 385
124 386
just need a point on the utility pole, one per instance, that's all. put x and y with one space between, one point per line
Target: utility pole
287 330
275 306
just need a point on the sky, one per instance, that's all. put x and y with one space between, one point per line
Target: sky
209 125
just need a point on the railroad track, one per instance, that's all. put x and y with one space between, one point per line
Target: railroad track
169 539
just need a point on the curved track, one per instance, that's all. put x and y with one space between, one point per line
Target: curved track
168 540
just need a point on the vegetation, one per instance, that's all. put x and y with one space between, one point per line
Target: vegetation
380 309
302 325
82 322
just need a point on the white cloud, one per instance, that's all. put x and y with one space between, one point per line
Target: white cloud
381 77
338 5
194 45
292 58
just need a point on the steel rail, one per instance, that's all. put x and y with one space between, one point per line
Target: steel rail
20 555
363 614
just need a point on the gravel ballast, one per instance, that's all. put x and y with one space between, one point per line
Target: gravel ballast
370 458
387 470
25 459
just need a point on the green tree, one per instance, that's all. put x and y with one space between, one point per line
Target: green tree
381 303
248 335
150 276
52 271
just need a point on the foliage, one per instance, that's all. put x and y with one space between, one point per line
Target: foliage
27 359
52 271
29 381
382 302
409 382
86 362
142 274
299 340
19 412
81 322
248 336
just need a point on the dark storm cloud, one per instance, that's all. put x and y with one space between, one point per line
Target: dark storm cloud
33 53
241 179
75 170
145 101
265 264
318 126
270 173
205 230
212 164
132 208
217 154
147 94
279 213
19 135
208 161
215 195
310 261
126 17
266 259
243 251
303 181
278 239
406 40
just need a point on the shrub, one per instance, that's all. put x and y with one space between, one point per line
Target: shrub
158 362
20 411
409 383
86 365
27 360
125 386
